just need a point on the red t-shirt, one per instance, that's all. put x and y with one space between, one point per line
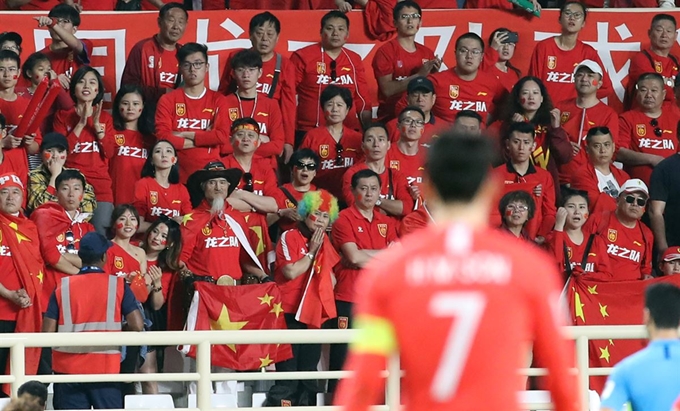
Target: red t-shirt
65 61
152 200
123 264
10 280
291 248
434 295
647 61
555 68
330 172
396 189
313 71
204 116
151 67
126 164
597 263
507 78
282 201
352 227
284 93
455 94
14 112
264 179
412 167
629 249
166 278
637 134
576 121
392 59
86 152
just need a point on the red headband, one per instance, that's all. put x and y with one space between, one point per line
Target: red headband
10 180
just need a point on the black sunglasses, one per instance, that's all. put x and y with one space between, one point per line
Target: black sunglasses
71 239
657 131
339 161
306 166
640 201
248 179
334 73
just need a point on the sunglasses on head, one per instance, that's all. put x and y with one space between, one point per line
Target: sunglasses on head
640 201
248 179
305 166
657 131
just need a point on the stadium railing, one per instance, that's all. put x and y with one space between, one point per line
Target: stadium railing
204 377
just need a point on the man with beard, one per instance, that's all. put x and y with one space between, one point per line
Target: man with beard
218 246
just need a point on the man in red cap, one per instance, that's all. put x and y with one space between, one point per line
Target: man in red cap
670 261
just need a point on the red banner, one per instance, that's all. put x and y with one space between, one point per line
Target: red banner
616 35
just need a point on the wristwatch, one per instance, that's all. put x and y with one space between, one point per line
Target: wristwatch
377 203
310 255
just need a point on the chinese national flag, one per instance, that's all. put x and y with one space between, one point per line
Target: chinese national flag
243 307
318 301
609 303
263 249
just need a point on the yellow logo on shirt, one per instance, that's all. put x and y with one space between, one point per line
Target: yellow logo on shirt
382 229
658 67
612 235
641 130
153 197
206 230
120 139
324 150
180 109
394 164
233 113
320 67
565 117
118 263
454 91
552 62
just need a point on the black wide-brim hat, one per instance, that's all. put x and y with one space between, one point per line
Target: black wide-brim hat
214 169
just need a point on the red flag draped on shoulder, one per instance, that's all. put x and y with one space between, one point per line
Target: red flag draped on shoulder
21 235
243 307
318 301
594 302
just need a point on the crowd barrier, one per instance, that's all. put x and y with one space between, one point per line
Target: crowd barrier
204 377
615 34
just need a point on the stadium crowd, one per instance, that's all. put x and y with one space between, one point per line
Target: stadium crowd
284 172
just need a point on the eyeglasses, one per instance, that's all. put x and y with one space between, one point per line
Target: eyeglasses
248 179
639 201
196 65
334 73
241 70
473 52
657 131
306 166
412 122
572 15
520 208
410 16
339 161
71 246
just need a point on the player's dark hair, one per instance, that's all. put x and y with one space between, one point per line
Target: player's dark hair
303 153
169 6
118 211
69 174
508 64
146 121
246 58
334 14
79 75
469 114
191 48
517 196
567 193
598 131
663 302
365 173
513 103
522 127
472 36
375 124
410 108
643 77
396 11
33 60
577 2
261 19
458 164
150 171
34 389
661 17
66 12
332 91
10 55
168 258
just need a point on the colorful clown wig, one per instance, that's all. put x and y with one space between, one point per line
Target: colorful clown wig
318 200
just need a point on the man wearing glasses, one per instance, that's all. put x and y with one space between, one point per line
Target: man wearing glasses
466 87
407 155
648 134
629 242
419 93
192 118
582 113
401 59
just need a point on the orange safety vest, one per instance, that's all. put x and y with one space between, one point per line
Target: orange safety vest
82 309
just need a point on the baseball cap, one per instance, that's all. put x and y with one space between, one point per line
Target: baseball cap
420 83
633 185
11 180
51 140
590 65
94 243
671 253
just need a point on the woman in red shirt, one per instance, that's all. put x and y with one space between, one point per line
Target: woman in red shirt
159 191
162 244
89 131
497 58
134 129
516 209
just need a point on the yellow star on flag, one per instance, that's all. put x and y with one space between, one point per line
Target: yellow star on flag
265 361
604 353
20 237
187 218
611 342
593 289
223 322
603 310
578 307
267 299
277 309
40 276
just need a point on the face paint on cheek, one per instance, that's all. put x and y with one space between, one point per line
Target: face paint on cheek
173 159
508 213
47 156
120 225
80 198
595 83
328 112
522 100
14 77
164 242
313 218
403 129
237 143
257 143
585 216
360 197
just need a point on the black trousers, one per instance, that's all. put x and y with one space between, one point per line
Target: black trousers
339 351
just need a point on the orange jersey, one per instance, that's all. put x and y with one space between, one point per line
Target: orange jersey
462 288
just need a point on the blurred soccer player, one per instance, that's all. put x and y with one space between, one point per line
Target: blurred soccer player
462 284
649 379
